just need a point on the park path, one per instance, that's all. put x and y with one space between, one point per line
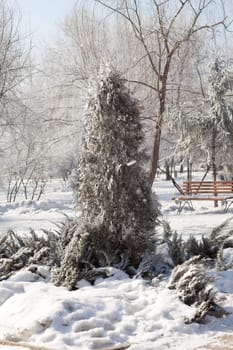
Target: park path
219 343
9 345
224 342
6 344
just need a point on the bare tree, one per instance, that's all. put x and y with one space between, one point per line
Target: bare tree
26 157
162 30
14 70
14 63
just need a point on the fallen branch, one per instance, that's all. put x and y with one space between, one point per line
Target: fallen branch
34 347
118 347
23 345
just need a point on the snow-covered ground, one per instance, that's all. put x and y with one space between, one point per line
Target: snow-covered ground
43 214
116 310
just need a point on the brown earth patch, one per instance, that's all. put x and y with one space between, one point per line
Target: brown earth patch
219 343
23 345
33 347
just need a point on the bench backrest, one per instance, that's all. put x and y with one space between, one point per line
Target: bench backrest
207 187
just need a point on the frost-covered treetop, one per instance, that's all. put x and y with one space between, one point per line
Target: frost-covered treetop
221 77
221 81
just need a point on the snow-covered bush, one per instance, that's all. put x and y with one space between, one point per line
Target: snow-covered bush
118 210
190 280
225 259
193 285
197 258
114 190
207 247
175 244
18 251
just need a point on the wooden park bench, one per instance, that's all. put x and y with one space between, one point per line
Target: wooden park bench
216 191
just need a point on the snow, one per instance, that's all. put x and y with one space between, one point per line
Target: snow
116 310
43 214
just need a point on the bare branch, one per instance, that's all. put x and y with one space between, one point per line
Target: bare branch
142 83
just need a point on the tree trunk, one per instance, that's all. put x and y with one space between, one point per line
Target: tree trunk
155 156
213 159
189 170
181 168
167 170
162 89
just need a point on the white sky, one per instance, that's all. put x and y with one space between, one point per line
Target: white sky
40 17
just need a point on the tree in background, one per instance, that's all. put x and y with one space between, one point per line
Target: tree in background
14 64
138 38
221 115
157 27
207 134
15 70
118 211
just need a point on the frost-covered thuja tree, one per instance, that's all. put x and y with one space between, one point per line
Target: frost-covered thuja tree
113 185
114 195
220 128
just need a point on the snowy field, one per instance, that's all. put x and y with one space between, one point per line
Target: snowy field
117 310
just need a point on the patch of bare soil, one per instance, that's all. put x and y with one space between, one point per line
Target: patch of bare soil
219 343
33 347
23 345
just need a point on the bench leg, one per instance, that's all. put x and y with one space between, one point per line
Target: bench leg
180 208
182 204
227 205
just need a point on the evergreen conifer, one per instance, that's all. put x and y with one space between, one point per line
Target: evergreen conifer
118 210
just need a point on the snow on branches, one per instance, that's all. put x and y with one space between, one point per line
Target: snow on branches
118 210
